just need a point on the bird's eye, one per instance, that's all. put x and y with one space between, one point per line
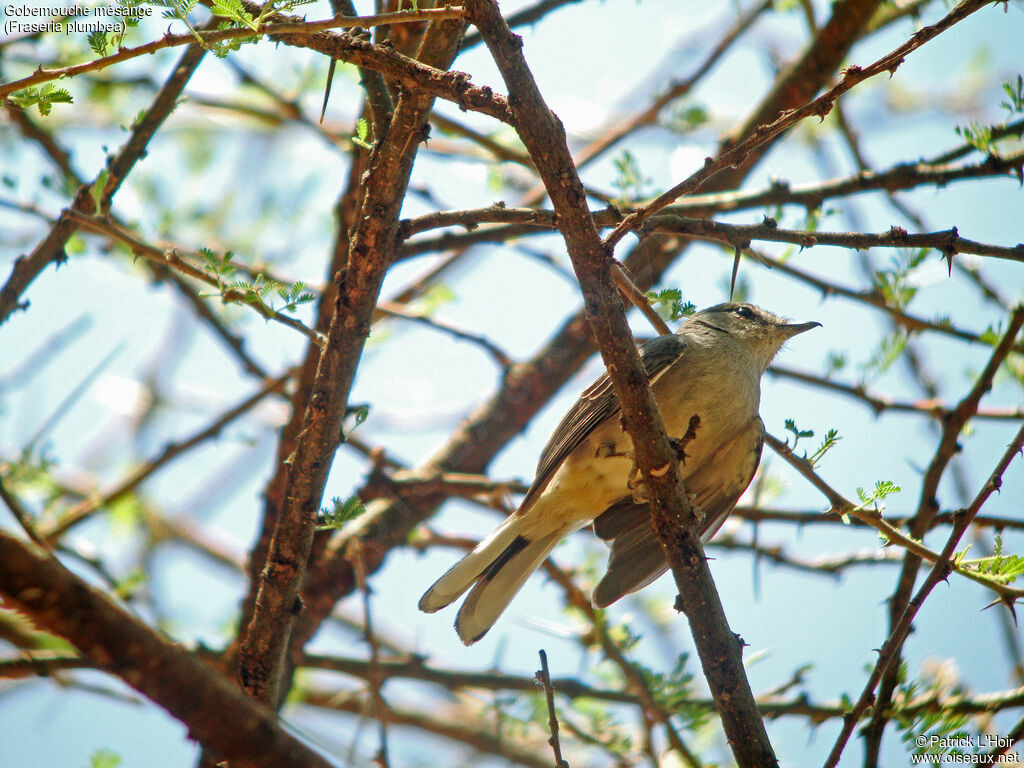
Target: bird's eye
744 312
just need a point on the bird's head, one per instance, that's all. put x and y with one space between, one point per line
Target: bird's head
757 330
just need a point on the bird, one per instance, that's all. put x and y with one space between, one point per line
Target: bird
711 368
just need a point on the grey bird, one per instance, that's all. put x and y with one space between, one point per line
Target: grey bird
710 368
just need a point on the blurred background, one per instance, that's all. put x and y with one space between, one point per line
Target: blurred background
111 362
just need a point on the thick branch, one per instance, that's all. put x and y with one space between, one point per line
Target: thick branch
358 285
544 137
529 385
118 642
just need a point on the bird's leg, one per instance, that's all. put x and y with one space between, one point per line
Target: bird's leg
680 443
636 485
635 482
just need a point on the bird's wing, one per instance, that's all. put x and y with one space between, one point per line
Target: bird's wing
637 557
597 404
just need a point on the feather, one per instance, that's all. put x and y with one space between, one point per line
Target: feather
637 556
637 559
596 405
500 583
461 576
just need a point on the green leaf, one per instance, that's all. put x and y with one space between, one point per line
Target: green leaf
939 731
1016 93
104 758
670 305
688 118
136 121
673 690
97 190
126 515
98 42
233 10
130 585
361 139
356 414
130 19
180 9
797 433
437 296
340 513
977 136
895 283
295 295
835 361
882 489
43 98
888 352
629 181
1000 567
992 334
831 438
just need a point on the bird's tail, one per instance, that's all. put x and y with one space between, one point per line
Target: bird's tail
496 570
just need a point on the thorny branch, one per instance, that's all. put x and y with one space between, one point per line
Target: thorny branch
51 249
890 650
522 392
212 37
819 107
115 640
671 514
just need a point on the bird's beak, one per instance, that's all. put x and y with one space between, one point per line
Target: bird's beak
792 329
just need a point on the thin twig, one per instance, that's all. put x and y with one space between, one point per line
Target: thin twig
948 242
87 200
46 663
170 452
891 648
543 677
172 259
22 515
811 196
380 709
735 155
873 518
878 403
212 37
873 298
493 350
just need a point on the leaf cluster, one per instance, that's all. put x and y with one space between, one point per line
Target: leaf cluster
932 732
670 305
827 443
256 290
340 512
42 98
629 179
882 489
673 690
888 351
1000 566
